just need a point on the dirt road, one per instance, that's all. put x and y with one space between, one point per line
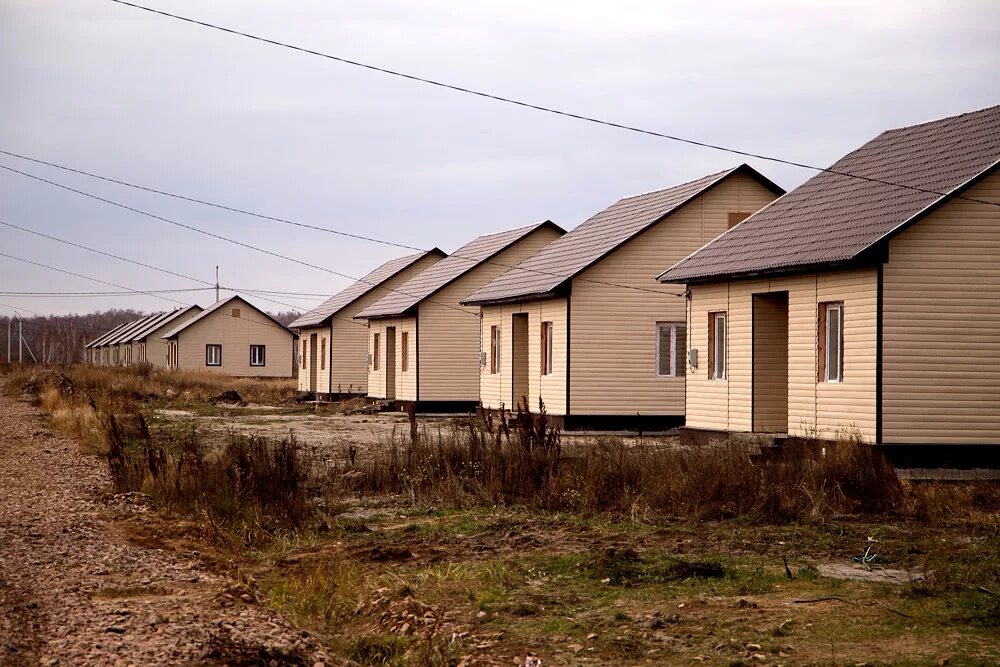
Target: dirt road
74 591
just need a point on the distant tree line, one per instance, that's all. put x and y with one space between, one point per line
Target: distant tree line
59 339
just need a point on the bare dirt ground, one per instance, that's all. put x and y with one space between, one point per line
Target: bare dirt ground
332 433
75 591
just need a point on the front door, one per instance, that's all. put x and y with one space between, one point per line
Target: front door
390 363
770 362
519 360
313 372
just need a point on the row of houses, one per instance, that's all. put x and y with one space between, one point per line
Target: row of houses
867 299
232 337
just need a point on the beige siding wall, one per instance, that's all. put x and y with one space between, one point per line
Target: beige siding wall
497 389
941 325
813 407
236 335
322 365
406 382
613 329
351 337
450 332
156 345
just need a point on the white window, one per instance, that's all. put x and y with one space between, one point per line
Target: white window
213 355
671 348
547 348
717 347
257 355
831 342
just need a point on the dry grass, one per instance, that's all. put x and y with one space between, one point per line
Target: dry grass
249 490
523 463
143 383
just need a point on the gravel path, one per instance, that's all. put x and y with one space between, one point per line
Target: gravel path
74 592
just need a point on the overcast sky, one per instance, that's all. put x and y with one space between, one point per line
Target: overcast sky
127 94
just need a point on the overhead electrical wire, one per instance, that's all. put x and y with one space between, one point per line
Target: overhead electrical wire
530 105
660 291
218 236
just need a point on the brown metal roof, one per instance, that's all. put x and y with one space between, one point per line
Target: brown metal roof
343 299
545 273
449 269
833 218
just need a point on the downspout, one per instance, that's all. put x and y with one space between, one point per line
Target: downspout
329 362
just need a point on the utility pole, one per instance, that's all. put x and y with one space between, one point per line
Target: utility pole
10 321
217 284
20 341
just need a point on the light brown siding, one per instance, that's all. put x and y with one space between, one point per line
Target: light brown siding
305 374
351 337
819 408
450 343
941 325
156 345
236 335
406 383
497 389
613 329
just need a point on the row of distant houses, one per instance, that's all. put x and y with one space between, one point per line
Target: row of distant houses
232 337
865 300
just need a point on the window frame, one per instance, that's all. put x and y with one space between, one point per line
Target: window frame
404 352
674 371
718 372
548 333
823 338
322 353
263 356
495 342
208 359
376 351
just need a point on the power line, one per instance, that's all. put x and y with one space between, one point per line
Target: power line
126 259
98 280
90 294
216 236
328 230
536 107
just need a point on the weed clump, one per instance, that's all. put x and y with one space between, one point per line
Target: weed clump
250 488
520 461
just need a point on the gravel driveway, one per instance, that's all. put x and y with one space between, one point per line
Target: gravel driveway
73 591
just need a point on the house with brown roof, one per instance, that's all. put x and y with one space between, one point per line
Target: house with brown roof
423 344
584 327
97 353
867 299
145 345
333 360
232 337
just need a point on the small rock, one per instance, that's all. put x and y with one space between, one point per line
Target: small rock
592 635
753 647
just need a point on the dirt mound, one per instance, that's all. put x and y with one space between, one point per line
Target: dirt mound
46 379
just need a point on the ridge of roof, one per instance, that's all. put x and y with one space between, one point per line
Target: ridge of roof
364 285
546 272
216 306
438 276
117 338
167 318
107 334
835 220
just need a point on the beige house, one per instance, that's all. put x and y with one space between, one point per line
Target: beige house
233 337
334 346
96 352
583 325
423 344
860 305
146 344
